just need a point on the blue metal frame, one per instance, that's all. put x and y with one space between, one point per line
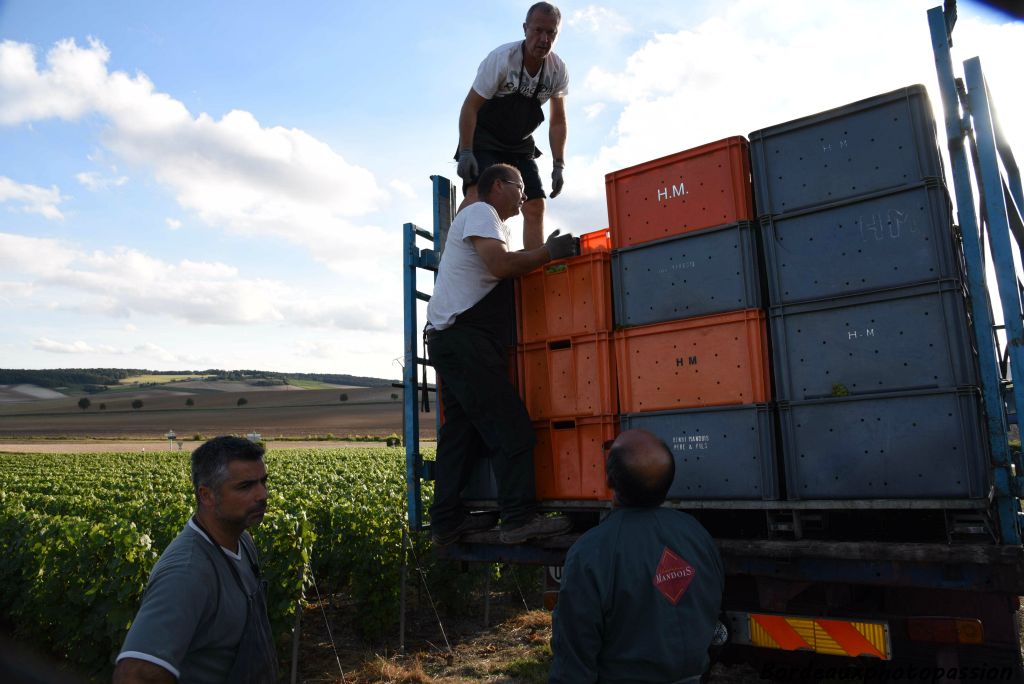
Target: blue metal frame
416 469
977 115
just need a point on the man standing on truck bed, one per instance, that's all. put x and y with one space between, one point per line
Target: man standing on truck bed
641 592
470 321
504 108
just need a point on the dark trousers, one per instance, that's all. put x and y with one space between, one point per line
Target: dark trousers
483 415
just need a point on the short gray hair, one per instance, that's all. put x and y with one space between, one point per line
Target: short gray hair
546 8
491 175
210 461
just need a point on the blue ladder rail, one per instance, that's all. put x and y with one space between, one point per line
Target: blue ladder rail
414 259
970 119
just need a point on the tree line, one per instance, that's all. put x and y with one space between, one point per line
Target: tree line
96 379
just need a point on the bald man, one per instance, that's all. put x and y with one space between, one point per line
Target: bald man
642 591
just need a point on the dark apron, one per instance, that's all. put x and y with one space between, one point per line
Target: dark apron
255 658
495 314
507 123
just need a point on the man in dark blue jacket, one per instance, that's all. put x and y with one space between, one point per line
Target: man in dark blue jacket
642 591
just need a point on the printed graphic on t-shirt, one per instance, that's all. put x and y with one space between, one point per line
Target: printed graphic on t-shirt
526 88
673 576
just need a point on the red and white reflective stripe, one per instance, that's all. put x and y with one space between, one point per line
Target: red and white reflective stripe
800 633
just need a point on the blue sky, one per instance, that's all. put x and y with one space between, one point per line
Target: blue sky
223 184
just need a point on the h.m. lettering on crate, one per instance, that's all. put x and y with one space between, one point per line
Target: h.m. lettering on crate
896 224
857 334
675 190
827 146
689 361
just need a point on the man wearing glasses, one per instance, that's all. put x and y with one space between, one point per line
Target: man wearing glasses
470 332
641 592
505 106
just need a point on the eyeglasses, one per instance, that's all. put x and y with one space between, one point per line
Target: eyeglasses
515 183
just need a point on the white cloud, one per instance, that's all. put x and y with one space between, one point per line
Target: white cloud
597 19
147 350
592 111
32 198
173 224
233 172
66 90
124 282
92 180
403 188
319 349
11 290
77 347
159 353
757 63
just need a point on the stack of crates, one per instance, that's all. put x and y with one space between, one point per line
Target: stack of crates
870 333
566 367
690 332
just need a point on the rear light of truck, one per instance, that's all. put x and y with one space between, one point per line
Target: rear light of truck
946 630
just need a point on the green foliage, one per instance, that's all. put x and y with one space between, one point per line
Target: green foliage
190 402
103 407
97 379
136 403
82 532
65 377
84 403
343 397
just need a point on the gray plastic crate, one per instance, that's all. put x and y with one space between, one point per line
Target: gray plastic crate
721 453
694 274
909 445
914 337
874 242
879 143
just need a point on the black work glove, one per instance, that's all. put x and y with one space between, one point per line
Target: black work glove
562 246
468 168
556 178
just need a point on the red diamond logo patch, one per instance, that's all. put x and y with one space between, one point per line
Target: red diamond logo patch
673 576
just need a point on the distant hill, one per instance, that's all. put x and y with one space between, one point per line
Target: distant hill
97 379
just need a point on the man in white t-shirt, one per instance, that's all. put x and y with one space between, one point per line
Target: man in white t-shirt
470 322
505 106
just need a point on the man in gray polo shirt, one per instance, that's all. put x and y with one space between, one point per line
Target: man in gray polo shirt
204 614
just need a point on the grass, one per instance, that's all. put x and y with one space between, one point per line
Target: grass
310 384
159 379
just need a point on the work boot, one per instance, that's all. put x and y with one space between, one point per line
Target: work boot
471 523
537 527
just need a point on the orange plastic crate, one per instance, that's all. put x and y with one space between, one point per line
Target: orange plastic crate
705 361
568 459
596 241
569 377
703 187
566 297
